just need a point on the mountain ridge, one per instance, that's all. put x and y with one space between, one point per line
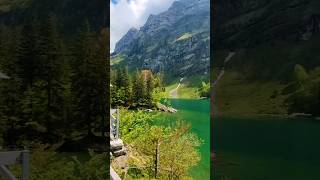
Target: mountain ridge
175 41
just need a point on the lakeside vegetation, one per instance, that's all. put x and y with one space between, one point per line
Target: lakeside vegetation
141 89
193 87
155 151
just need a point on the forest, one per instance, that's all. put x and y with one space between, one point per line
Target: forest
140 89
56 99
304 91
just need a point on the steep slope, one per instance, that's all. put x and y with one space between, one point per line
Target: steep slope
269 38
247 23
175 41
272 36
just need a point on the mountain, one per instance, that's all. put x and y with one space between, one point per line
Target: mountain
270 36
257 48
125 41
247 23
175 41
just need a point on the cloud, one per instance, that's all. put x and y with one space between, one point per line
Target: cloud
125 14
114 1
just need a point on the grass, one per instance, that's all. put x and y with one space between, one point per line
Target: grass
187 92
81 156
236 96
171 87
116 60
184 37
188 88
265 65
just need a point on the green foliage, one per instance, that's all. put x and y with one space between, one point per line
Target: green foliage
300 73
139 90
236 96
159 152
134 123
96 168
89 84
51 92
305 98
45 163
184 37
204 91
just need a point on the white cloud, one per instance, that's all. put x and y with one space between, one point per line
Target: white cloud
134 13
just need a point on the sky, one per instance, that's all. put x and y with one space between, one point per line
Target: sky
125 14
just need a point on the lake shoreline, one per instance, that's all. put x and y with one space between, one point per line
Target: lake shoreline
266 116
196 112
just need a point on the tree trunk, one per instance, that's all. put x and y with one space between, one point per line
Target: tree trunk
156 161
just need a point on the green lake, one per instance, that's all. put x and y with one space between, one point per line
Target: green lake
197 113
266 149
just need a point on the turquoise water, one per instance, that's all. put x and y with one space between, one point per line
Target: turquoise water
197 113
266 149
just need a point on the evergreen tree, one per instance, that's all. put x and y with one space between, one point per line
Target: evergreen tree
28 55
138 89
89 81
102 79
9 88
149 88
123 87
51 62
126 86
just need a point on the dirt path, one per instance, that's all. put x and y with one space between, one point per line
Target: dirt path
174 93
226 60
221 73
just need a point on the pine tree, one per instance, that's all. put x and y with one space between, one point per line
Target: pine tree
149 89
126 86
138 87
102 71
89 81
28 55
123 87
51 61
10 90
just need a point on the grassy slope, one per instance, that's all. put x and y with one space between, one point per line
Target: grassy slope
236 96
188 88
116 60
265 66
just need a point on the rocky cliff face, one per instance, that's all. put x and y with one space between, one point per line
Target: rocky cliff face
247 23
269 36
126 40
175 41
